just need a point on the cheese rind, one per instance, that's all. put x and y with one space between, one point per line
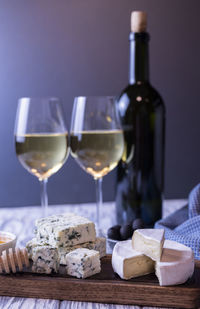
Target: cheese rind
45 259
99 245
65 230
129 263
149 242
83 263
176 265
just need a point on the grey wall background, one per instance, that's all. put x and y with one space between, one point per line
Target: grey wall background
73 47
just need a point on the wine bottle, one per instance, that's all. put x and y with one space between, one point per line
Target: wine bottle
139 189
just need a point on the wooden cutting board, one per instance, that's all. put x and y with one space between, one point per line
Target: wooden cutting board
105 287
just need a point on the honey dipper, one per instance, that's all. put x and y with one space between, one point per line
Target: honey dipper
13 260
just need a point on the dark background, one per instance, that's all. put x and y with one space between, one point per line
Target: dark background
67 48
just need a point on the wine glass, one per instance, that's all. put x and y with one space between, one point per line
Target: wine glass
96 140
41 139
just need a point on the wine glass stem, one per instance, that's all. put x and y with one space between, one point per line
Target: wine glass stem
99 200
44 197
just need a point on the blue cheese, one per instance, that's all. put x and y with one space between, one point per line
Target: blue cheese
99 245
83 263
45 259
31 244
65 230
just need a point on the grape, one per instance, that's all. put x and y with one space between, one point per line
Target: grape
114 232
126 231
138 224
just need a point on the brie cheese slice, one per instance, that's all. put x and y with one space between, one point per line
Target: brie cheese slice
149 242
176 265
129 263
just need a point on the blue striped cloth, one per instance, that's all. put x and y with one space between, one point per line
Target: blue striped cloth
184 224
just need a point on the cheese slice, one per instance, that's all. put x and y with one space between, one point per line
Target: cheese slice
99 245
176 265
63 230
149 242
83 263
129 263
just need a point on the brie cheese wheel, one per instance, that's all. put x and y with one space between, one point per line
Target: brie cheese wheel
176 265
149 242
129 263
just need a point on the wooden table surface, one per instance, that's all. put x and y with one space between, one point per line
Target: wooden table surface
21 222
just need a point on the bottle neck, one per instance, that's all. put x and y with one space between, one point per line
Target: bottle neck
139 57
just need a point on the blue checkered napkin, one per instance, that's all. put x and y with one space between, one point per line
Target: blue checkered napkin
184 224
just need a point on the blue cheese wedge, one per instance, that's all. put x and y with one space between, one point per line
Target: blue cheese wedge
129 263
99 245
65 230
149 242
83 263
45 259
31 244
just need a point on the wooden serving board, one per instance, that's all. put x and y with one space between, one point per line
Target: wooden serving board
105 287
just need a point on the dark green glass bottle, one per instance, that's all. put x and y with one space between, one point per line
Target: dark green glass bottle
139 189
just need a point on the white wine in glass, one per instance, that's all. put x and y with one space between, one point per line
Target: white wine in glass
98 151
96 140
41 139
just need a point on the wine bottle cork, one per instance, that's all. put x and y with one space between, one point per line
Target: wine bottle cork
138 21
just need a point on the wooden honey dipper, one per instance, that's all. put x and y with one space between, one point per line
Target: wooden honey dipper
13 259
